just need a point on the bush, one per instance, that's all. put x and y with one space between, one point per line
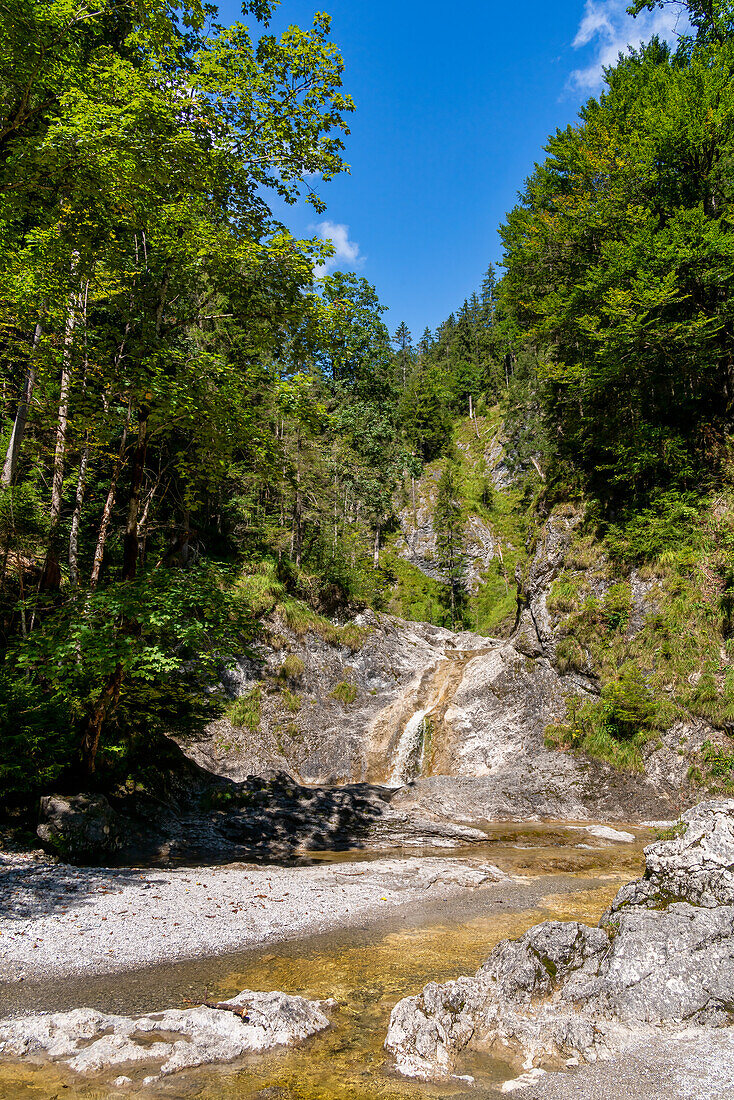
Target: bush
720 762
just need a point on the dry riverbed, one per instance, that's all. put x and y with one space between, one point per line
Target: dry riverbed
58 920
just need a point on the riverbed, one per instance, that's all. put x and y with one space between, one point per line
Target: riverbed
366 959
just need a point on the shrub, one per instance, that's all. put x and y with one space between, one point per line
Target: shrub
720 762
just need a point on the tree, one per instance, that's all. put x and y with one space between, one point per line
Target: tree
618 268
424 412
147 288
404 343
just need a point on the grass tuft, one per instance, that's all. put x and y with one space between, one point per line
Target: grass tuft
345 692
245 712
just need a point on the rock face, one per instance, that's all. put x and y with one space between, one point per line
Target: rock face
662 955
80 827
89 1042
479 750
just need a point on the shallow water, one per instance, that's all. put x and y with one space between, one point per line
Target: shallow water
367 970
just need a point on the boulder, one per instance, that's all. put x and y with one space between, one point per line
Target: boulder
89 1042
80 827
696 866
663 955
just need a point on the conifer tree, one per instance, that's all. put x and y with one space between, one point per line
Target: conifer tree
448 524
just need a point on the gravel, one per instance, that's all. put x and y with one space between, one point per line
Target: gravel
58 920
695 1064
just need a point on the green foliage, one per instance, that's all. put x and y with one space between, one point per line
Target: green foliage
448 525
290 700
612 259
37 736
720 761
415 596
672 832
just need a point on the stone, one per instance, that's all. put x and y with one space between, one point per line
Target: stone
605 832
696 866
87 1041
662 956
80 827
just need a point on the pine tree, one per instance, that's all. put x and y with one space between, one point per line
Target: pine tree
404 342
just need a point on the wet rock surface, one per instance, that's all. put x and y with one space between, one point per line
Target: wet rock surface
663 955
90 1042
486 705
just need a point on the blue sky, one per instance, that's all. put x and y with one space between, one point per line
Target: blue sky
453 108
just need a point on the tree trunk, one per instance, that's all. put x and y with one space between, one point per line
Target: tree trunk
21 413
51 577
131 542
376 549
104 525
76 518
92 730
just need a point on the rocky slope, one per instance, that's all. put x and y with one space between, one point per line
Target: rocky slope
456 721
384 731
662 956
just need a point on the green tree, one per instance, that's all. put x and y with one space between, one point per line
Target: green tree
619 266
404 343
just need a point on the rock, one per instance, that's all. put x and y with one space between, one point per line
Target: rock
80 827
661 956
88 1041
697 866
604 832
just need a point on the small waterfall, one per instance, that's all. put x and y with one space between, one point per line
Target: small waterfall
409 755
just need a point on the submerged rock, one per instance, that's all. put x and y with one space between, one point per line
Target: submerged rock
662 955
90 1042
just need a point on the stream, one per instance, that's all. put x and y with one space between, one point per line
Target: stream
558 873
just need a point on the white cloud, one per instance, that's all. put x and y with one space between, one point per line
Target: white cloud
346 252
612 31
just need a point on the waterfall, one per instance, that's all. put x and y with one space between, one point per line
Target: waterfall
409 755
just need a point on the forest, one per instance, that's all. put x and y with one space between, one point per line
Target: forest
197 431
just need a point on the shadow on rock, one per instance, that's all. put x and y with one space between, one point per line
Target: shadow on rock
191 815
